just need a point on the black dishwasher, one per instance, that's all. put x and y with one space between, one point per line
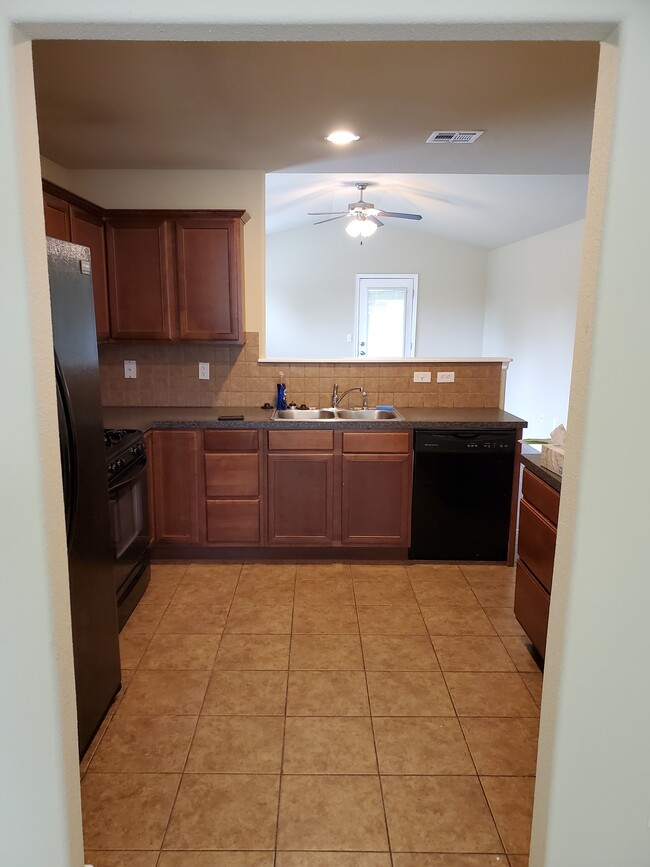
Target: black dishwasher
462 494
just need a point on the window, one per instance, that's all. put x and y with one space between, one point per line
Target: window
386 310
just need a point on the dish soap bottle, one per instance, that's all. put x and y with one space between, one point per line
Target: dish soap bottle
281 402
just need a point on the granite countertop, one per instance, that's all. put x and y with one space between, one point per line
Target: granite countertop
533 461
176 418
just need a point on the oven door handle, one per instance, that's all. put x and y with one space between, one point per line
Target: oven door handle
135 474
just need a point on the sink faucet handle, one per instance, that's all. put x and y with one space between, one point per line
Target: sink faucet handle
364 395
335 394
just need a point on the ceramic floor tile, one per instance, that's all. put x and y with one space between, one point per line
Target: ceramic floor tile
269 570
383 591
331 813
121 859
176 652
223 811
205 591
205 569
391 620
216 859
274 590
404 860
504 620
421 745
490 694
162 693
519 861
237 745
259 619
193 619
408 693
327 693
161 590
253 652
521 652
144 620
94 744
323 571
456 620
476 573
258 693
168 570
429 814
399 653
495 595
329 745
144 744
502 747
434 571
333 859
511 802
449 592
324 591
476 653
126 811
127 677
534 681
377 570
326 652
325 619
132 648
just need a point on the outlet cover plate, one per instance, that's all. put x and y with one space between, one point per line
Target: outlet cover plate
130 369
204 370
422 376
446 376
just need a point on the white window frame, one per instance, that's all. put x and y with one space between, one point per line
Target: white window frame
366 281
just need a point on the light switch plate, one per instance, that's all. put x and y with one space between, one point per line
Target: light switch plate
422 376
130 370
204 370
446 376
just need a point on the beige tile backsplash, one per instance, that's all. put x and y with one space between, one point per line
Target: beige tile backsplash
168 376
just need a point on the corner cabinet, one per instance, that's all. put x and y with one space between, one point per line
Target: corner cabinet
176 275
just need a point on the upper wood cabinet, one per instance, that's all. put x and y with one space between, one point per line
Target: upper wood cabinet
175 275
57 217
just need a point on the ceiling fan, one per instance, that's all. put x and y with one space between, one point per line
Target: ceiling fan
365 216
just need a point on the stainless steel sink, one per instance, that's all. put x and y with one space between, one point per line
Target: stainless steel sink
367 415
335 415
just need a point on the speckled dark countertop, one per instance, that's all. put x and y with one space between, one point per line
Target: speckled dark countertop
532 462
174 418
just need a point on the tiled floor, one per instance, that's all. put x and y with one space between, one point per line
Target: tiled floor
318 715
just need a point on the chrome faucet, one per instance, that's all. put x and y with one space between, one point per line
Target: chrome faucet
337 398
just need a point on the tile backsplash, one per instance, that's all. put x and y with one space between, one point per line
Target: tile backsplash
167 375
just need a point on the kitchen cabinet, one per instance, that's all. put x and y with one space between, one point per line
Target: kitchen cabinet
176 477
70 218
176 275
538 515
233 485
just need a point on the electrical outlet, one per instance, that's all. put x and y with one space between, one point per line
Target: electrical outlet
204 370
130 370
446 376
422 376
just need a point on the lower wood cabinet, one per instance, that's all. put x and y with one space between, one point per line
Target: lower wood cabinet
233 484
376 502
300 500
176 486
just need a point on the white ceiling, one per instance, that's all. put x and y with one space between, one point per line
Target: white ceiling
267 107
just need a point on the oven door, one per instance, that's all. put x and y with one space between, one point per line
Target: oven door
127 495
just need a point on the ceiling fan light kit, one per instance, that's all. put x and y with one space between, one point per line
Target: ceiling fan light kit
342 137
364 216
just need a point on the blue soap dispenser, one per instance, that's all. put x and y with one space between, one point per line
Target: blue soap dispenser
281 402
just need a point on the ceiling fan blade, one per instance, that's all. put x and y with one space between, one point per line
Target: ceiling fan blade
374 220
328 220
326 213
401 216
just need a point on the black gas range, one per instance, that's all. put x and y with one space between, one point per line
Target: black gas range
126 470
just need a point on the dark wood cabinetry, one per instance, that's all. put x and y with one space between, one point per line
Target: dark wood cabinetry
176 486
301 498
538 513
233 485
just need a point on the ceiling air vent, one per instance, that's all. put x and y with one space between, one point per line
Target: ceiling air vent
454 136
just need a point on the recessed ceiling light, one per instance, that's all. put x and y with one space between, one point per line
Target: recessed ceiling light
341 137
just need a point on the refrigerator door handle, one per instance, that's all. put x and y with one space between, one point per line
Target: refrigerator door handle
68 451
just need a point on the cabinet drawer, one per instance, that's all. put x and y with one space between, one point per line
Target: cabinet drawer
232 475
233 521
231 440
541 495
537 538
301 440
531 607
360 442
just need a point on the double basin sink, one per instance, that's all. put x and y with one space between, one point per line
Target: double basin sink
332 414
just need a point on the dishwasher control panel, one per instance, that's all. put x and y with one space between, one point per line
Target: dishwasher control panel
467 441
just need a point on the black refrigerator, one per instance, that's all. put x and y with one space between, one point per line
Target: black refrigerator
90 559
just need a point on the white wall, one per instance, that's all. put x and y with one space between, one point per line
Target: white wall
530 316
310 289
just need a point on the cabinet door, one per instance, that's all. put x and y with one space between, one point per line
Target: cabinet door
57 217
376 500
176 486
209 279
88 229
139 281
301 499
